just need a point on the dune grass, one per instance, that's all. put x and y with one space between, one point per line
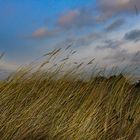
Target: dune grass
36 106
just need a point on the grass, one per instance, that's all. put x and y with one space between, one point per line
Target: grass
35 105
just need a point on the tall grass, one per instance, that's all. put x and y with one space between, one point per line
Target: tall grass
35 105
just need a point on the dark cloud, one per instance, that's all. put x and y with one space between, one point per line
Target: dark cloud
110 44
125 56
115 25
133 35
136 58
87 39
118 56
109 8
81 41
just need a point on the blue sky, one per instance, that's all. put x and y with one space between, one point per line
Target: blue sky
106 29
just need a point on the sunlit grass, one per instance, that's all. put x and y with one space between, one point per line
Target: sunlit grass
40 104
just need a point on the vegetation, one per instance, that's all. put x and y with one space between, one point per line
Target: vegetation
35 105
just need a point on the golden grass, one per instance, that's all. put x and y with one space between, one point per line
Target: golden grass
36 106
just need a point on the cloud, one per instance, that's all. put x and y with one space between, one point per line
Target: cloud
87 39
7 68
68 19
117 55
81 41
115 25
78 18
133 35
131 47
109 8
43 33
111 53
110 44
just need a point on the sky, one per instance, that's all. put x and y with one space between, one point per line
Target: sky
105 29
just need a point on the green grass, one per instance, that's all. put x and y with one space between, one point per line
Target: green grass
36 106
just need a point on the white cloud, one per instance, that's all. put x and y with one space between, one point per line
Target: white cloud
8 66
43 32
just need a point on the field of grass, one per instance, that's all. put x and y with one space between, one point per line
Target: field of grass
37 106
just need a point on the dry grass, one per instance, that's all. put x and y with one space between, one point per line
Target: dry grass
36 107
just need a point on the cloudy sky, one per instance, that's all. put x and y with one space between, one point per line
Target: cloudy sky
108 30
